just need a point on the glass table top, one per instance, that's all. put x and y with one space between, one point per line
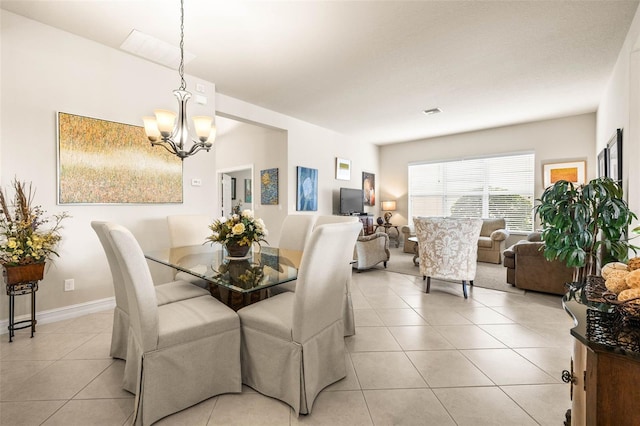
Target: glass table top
260 269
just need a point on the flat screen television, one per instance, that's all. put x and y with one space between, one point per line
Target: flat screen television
351 201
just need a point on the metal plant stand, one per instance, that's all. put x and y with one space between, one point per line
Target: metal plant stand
19 289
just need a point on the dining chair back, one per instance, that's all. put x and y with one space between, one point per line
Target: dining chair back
188 230
163 294
325 267
293 343
120 329
347 309
327 219
296 229
179 354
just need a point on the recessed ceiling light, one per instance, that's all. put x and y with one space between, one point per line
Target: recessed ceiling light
431 111
154 49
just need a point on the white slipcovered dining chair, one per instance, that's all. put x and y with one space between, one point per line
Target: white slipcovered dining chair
348 317
165 293
180 353
296 229
448 248
188 230
293 343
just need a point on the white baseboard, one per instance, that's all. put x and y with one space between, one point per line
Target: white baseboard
66 312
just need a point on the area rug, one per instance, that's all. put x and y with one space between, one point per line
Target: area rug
488 275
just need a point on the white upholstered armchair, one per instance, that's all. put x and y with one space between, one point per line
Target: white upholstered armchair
371 250
448 248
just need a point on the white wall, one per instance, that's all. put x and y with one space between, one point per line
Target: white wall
570 138
620 108
310 146
45 70
263 148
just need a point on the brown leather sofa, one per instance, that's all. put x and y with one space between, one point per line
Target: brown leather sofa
528 269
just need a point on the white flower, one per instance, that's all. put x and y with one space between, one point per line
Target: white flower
222 219
235 217
247 214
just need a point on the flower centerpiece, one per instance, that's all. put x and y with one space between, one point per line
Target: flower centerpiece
238 232
27 237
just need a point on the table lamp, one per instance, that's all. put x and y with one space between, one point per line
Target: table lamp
388 207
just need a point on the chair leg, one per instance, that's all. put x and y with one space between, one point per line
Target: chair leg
464 289
428 289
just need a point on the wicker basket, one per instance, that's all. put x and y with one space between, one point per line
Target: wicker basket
628 309
23 273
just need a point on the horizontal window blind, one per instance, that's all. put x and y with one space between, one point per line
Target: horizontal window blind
488 187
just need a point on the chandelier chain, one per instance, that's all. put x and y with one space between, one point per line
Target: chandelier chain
183 84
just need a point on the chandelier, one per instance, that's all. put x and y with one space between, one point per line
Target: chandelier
162 130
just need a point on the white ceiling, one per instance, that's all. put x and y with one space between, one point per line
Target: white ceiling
368 68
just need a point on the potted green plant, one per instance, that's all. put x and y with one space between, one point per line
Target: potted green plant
580 222
27 238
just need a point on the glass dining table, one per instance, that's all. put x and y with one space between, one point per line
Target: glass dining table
235 281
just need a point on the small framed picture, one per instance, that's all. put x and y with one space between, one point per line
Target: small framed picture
574 172
343 169
369 188
247 191
614 156
603 161
233 188
307 199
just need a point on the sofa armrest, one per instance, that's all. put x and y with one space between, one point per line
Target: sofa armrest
528 248
499 235
374 236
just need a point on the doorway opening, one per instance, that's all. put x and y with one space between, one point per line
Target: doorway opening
236 189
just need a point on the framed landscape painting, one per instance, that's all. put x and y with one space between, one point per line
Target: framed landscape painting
269 187
104 162
307 190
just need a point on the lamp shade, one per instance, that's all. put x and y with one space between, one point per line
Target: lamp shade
389 206
203 127
166 121
151 128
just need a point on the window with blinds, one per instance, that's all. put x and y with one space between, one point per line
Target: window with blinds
487 187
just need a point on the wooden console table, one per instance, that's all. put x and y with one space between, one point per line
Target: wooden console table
605 369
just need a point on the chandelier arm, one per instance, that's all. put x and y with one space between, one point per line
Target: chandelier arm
171 148
198 146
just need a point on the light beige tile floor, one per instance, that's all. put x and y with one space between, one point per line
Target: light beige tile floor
416 359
